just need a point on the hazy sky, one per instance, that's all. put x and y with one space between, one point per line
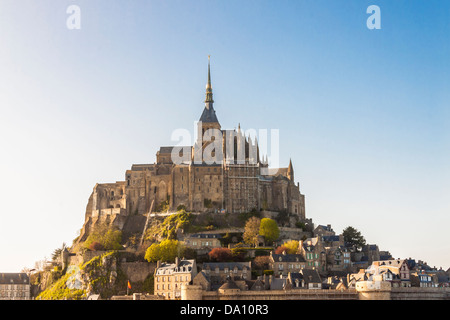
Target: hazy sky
364 114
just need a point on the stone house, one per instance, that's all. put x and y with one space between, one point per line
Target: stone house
305 279
169 277
399 269
322 230
203 241
372 252
422 279
203 280
14 286
282 264
221 271
314 253
338 258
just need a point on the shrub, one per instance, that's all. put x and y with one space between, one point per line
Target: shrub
96 246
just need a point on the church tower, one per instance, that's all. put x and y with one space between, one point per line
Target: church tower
209 118
290 171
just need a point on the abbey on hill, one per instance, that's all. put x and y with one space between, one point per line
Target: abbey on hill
240 183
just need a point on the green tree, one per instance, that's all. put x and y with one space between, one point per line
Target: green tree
167 250
251 231
353 237
57 252
269 229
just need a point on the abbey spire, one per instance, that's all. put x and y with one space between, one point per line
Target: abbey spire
290 171
209 114
209 95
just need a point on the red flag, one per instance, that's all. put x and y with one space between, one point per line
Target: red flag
129 285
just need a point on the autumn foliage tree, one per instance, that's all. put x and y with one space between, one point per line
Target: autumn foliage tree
291 247
220 255
251 231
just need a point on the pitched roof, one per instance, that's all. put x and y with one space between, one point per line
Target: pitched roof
287 257
278 283
209 115
229 285
330 238
311 276
223 265
184 266
14 278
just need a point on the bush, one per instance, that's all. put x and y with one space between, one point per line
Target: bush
96 246
300 225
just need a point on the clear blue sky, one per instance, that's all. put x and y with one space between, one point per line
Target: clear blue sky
364 114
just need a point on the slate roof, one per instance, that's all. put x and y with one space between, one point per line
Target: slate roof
278 283
326 228
311 276
209 115
330 238
184 266
14 278
229 284
288 258
223 265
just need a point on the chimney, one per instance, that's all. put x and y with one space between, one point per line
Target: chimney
177 262
158 264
